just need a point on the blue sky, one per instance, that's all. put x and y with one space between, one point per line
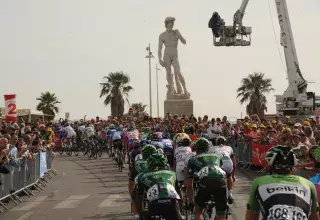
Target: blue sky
67 46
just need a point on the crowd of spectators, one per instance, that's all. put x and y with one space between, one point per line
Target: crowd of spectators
23 139
20 139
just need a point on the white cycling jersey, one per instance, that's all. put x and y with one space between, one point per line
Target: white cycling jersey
180 153
89 132
81 129
70 131
225 152
186 160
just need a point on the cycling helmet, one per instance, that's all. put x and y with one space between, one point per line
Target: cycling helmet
205 135
201 144
166 135
221 140
143 143
111 126
179 136
281 157
145 130
185 141
131 127
160 151
157 161
157 136
147 150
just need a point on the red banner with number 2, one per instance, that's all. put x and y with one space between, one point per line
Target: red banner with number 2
10 107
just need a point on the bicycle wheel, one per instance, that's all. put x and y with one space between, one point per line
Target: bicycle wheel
76 150
61 149
100 150
84 149
70 150
120 164
89 151
94 152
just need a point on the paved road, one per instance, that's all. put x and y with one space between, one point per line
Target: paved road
94 190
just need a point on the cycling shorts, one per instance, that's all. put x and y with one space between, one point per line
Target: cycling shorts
167 208
217 187
118 144
130 144
133 173
180 171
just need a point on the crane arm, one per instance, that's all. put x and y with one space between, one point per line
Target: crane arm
287 42
238 16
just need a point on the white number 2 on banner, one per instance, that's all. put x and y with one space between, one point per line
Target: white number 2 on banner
11 107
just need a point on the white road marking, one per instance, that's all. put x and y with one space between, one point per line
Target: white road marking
25 216
112 201
30 204
71 202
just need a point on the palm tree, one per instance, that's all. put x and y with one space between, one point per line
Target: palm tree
253 90
48 103
139 109
115 90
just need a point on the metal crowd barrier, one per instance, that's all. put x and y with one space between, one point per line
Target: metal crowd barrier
243 153
27 175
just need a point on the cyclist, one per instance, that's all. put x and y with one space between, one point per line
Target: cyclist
136 151
228 160
159 185
138 165
70 131
181 151
282 195
168 149
117 146
89 132
212 180
62 132
81 129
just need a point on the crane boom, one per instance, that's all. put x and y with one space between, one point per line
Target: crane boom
287 42
238 16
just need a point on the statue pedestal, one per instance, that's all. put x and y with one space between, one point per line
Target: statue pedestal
178 106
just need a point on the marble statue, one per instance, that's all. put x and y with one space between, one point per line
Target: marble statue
170 39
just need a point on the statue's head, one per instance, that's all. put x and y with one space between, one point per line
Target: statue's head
169 22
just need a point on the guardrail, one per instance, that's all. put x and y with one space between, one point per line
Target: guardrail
26 175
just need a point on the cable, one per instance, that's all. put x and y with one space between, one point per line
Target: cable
275 38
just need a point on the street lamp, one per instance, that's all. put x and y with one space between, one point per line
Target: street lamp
157 89
149 56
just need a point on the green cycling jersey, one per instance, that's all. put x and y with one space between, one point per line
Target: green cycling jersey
283 197
206 165
157 185
141 166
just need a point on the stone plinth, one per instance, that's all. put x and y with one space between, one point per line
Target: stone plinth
178 106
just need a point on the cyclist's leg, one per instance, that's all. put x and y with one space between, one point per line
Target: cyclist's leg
202 196
219 191
132 175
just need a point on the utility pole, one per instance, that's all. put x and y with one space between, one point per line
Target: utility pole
157 89
149 56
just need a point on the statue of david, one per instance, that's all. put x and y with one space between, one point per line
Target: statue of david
170 39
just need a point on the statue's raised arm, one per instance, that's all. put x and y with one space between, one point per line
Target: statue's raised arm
180 37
